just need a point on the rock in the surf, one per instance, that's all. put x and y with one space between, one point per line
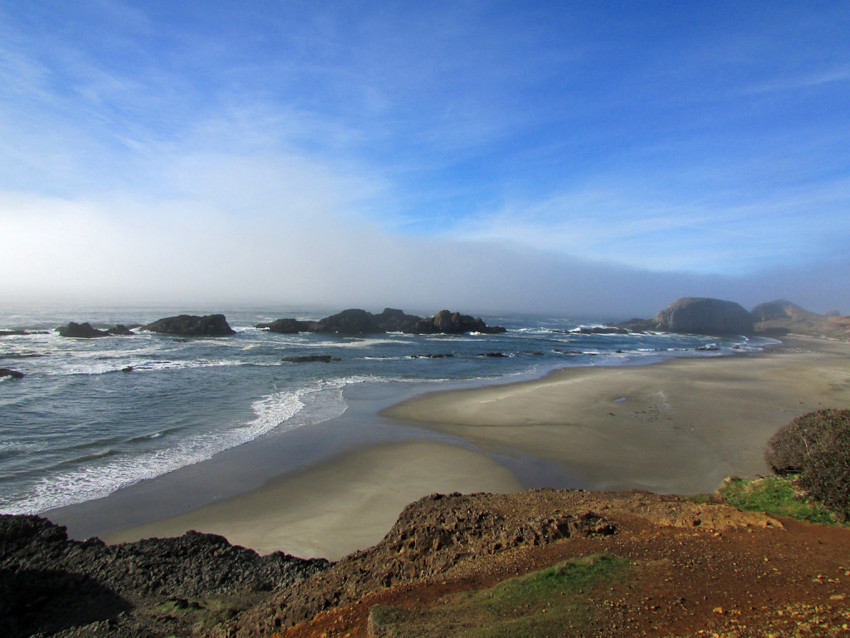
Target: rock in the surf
192 326
81 331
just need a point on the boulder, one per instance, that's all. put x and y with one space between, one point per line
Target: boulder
6 372
81 331
192 326
703 315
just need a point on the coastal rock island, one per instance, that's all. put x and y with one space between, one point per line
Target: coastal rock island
192 326
357 321
81 331
698 315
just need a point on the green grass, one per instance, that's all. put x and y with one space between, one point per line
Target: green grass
540 604
775 495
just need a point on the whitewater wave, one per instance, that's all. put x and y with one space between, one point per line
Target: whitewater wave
97 480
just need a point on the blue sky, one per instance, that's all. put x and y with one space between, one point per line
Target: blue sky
554 156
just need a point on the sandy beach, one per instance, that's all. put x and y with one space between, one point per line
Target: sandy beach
680 426
346 503
675 427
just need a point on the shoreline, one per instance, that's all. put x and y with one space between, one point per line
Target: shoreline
673 426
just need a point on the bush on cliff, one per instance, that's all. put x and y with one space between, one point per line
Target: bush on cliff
816 447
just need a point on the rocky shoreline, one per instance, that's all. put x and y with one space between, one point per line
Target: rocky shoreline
199 584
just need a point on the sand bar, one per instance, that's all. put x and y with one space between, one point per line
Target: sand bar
680 426
346 503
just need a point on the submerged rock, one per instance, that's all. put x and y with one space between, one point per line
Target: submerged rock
192 326
311 358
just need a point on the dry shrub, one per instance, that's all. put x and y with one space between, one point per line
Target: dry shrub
816 446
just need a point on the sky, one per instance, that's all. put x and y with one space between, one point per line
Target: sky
569 157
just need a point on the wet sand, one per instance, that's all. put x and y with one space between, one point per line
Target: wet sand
343 504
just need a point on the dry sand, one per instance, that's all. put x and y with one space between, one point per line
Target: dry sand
346 503
675 427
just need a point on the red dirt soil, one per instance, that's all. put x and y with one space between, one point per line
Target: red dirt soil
788 580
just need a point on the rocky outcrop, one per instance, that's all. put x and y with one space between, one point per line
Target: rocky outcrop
697 315
285 326
81 331
357 321
454 323
49 584
121 330
703 315
782 317
6 372
430 537
352 321
394 320
779 309
192 326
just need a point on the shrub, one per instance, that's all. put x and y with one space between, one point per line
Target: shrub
817 447
826 474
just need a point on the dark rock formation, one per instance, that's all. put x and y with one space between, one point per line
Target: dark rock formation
120 330
697 315
356 321
285 326
81 331
454 323
311 358
192 326
6 372
351 321
637 325
393 320
50 584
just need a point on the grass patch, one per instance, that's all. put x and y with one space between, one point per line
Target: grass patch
544 603
777 495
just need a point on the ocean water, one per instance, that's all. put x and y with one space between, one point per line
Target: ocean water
78 427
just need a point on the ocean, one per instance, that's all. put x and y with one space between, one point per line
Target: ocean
79 426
